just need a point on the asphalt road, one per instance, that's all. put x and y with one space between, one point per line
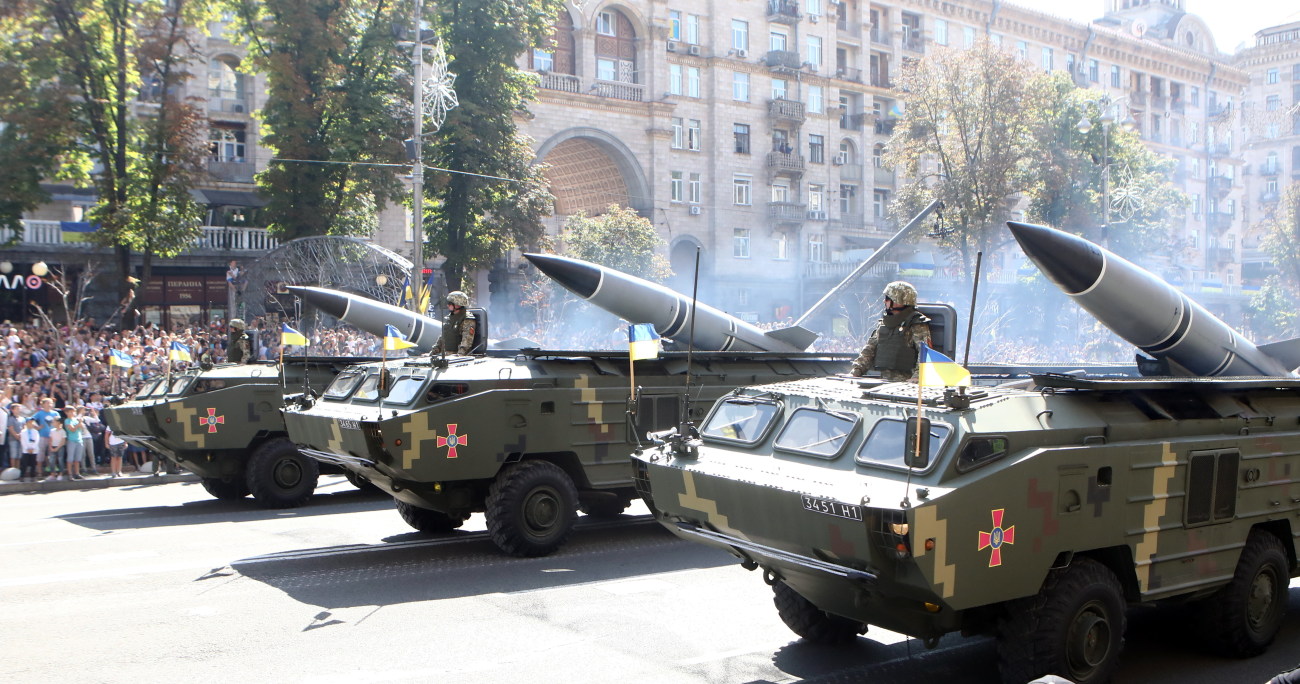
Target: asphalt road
162 583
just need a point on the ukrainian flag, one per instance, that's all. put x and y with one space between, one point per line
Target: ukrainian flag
937 370
179 352
119 358
394 340
642 341
290 336
77 231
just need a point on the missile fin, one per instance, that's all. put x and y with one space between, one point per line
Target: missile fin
796 336
1286 352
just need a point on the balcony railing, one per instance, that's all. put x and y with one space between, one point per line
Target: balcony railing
853 221
1220 185
1220 149
879 35
848 28
1219 220
851 172
786 211
1268 197
783 11
231 171
838 270
853 122
786 110
231 105
785 162
1270 169
783 59
220 238
849 74
884 176
566 83
618 90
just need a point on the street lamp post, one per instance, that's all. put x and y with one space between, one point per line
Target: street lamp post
1107 109
417 168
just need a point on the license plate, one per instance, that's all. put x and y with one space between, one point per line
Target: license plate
349 424
835 508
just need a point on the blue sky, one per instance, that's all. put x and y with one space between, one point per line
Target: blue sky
1232 22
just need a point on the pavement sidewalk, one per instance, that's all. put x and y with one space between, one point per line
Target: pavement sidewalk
94 482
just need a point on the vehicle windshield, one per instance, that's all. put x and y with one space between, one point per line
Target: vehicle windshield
884 446
816 433
741 420
369 389
343 384
179 385
405 389
148 388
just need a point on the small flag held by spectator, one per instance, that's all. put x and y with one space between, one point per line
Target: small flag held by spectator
937 370
290 336
394 340
119 358
179 352
642 341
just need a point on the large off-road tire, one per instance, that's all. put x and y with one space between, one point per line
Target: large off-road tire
531 508
811 622
428 520
1243 617
1073 627
280 476
228 490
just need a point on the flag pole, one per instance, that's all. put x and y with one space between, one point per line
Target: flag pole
631 366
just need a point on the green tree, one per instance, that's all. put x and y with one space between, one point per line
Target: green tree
496 196
337 110
93 58
964 138
620 239
1273 308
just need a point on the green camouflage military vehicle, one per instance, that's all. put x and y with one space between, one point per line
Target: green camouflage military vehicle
1036 515
525 437
224 424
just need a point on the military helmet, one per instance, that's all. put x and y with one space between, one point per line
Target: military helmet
901 293
458 298
238 323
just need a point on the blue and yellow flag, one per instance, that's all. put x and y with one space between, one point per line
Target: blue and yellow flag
642 341
937 370
290 336
77 231
179 352
119 358
394 340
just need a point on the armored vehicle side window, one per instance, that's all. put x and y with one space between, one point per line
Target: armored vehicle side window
816 433
1211 486
369 389
741 420
179 385
209 385
148 388
405 388
343 384
981 450
654 413
884 446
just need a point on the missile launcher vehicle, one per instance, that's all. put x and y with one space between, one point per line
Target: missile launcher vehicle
224 424
1036 512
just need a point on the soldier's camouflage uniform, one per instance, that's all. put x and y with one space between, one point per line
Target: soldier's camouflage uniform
459 331
908 328
240 350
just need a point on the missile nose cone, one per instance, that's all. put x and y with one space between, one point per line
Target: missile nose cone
1072 263
330 303
580 278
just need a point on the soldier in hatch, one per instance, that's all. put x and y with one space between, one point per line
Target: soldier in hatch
459 327
240 349
895 344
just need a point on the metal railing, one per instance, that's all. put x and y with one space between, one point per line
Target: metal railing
786 211
220 238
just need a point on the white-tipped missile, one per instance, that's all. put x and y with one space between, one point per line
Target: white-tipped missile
372 316
641 301
1142 308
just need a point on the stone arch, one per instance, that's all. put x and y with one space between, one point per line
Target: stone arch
681 258
590 169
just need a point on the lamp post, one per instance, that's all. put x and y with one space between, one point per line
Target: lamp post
417 164
1107 109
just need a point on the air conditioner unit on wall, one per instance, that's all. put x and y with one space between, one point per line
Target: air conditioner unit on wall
694 50
814 18
695 211
672 46
839 159
237 108
742 54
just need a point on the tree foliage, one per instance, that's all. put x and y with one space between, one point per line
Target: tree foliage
338 107
620 239
75 70
496 197
1273 310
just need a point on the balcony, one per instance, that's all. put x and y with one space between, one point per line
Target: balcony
885 124
1270 169
879 35
1159 102
839 270
853 122
565 83
231 171
1268 197
787 163
618 90
1219 185
1219 220
1219 255
851 172
229 105
1178 105
783 60
849 74
884 177
853 221
1137 98
783 11
1217 111
847 28
218 238
786 110
914 43
880 79
787 211
1220 149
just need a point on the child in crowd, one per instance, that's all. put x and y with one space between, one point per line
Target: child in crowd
31 443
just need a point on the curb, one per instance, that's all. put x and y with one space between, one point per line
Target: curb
94 482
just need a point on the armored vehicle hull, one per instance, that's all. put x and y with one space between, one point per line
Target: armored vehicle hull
1036 516
525 438
224 424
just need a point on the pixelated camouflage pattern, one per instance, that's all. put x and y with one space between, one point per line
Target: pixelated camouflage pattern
917 333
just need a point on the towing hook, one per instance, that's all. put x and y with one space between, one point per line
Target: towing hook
770 577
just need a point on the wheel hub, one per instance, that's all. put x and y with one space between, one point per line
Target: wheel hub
1262 593
288 473
541 511
1089 641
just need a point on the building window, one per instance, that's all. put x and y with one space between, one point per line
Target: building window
693 29
1196 212
782 244
968 35
543 60
742 190
605 23
739 35
813 7
1022 50
1094 70
1272 103
740 86
849 200
941 31
880 203
816 197
675 79
224 81
817 149
741 132
692 81
1196 96
776 40
815 51
816 100
674 25
1272 77
606 69
816 249
679 133
1115 81
877 155
693 134
740 243
779 88
694 189
780 192
227 144
676 191
1049 59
